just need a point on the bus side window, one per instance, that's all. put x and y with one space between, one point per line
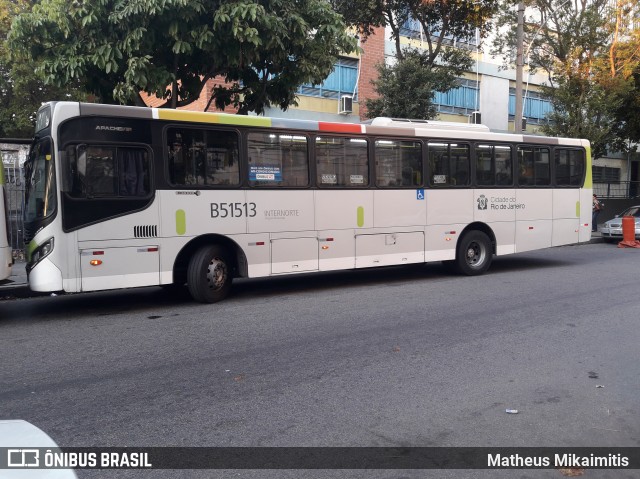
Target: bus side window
449 164
342 161
278 160
202 157
534 166
397 162
569 167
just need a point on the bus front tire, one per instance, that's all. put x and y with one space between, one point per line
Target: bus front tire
474 254
209 274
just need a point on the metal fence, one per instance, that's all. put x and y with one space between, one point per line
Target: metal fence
617 189
15 200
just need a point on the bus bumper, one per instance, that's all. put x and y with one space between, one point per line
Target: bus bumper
45 277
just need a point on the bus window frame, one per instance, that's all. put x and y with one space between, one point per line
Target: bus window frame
208 127
373 140
369 139
512 147
553 167
244 159
108 144
469 143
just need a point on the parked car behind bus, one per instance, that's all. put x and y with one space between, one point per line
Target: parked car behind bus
612 229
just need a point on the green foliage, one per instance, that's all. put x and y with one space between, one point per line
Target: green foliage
589 82
584 109
407 88
170 48
628 108
439 19
21 90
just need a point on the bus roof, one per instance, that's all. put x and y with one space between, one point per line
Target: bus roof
377 126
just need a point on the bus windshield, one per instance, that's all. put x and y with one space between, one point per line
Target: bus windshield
40 192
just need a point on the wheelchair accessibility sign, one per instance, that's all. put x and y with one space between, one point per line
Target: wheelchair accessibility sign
420 194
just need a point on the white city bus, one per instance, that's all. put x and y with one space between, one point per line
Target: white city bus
6 257
119 197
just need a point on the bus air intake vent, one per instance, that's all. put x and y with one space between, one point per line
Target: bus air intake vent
150 231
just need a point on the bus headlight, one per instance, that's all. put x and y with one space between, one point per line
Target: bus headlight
42 251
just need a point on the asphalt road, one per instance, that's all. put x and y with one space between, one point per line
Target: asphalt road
389 357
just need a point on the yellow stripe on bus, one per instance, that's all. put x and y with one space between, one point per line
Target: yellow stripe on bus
219 118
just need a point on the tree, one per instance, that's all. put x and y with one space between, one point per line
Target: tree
21 90
576 43
264 49
439 19
407 87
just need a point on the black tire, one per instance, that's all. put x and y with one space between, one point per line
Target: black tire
209 274
474 253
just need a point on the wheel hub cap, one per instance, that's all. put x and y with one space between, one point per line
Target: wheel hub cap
216 274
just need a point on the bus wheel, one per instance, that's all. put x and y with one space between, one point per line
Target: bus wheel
209 274
474 253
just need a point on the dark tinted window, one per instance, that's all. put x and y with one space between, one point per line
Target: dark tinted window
342 162
398 163
570 167
202 157
278 159
448 164
493 165
534 166
96 171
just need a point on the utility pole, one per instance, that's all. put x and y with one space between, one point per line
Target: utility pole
519 68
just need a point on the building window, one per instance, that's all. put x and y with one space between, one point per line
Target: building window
536 107
462 100
606 174
341 81
413 29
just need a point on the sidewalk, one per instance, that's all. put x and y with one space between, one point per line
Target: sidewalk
16 285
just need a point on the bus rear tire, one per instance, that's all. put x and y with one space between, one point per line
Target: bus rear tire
209 274
474 253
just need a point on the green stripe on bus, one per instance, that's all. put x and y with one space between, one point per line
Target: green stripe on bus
203 117
31 247
1 175
181 222
577 209
360 216
588 181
